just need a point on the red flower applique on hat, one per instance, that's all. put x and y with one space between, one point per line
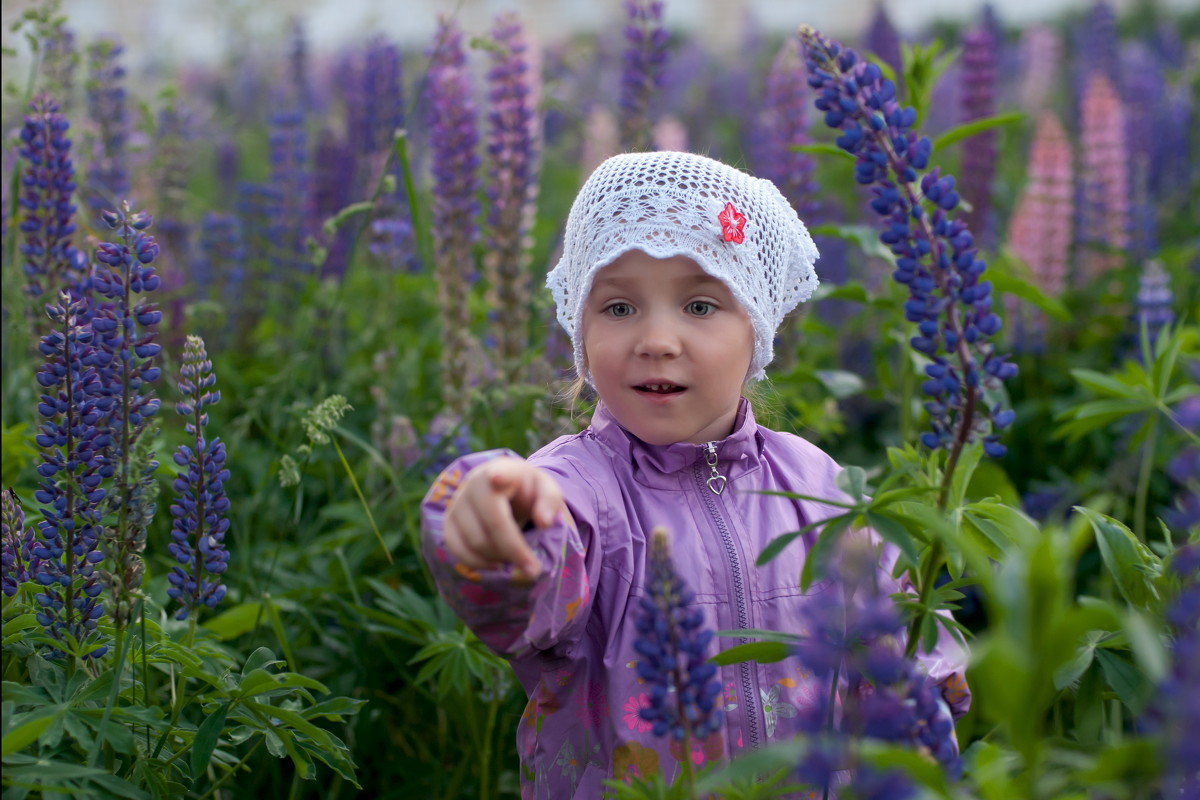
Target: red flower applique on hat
732 222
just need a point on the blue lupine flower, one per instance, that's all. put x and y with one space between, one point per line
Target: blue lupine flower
1096 45
222 261
20 564
1154 299
108 173
1176 710
445 440
979 61
383 89
671 644
454 132
200 522
51 262
644 58
936 256
74 465
513 166
60 58
785 124
291 218
125 323
301 86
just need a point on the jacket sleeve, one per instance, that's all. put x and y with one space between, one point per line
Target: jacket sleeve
512 615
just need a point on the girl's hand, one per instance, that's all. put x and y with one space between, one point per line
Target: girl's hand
482 527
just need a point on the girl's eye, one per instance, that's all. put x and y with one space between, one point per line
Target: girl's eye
700 308
619 310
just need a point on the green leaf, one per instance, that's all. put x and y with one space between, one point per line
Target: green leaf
261 658
1104 384
1124 678
968 129
818 149
1146 645
822 548
207 736
27 728
865 236
895 531
238 620
1123 554
1071 671
762 652
840 383
1003 281
853 481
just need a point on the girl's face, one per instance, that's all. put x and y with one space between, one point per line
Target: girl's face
668 347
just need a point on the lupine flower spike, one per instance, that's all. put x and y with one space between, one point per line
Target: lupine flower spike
1104 175
199 512
671 644
51 262
645 57
936 257
73 442
125 323
455 135
20 564
513 149
108 175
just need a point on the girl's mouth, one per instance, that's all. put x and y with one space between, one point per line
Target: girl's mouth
659 388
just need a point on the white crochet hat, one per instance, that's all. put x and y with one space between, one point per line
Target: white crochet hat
738 228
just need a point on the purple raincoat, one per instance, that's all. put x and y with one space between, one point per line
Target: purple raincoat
569 634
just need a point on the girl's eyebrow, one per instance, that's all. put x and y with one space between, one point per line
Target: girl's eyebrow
686 281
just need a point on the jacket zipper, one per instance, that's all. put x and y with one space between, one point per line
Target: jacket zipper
707 491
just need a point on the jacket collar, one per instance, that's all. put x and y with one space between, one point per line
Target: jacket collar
661 466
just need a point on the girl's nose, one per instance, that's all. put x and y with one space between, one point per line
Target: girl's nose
658 339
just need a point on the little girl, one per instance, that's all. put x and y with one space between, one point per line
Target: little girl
676 272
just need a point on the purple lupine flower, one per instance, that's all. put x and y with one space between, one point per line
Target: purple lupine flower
391 240
854 641
1097 49
882 41
74 465
300 89
51 262
20 564
672 642
446 439
383 87
513 164
60 59
229 159
107 183
222 256
1039 232
291 212
454 132
1041 67
125 324
785 124
1103 211
199 512
979 151
173 137
1176 710
644 57
936 257
333 189
1154 299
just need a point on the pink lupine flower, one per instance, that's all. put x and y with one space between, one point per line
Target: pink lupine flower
1041 49
1040 231
1104 214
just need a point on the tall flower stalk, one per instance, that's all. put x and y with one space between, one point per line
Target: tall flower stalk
513 149
672 640
1104 177
126 326
978 102
1040 232
51 262
200 510
108 175
20 564
936 256
455 135
74 465
644 59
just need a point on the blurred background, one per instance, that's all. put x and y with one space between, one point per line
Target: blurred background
173 30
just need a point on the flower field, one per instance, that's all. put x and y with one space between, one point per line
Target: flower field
252 308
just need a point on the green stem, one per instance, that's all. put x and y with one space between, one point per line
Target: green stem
929 572
485 758
212 789
1143 485
361 498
